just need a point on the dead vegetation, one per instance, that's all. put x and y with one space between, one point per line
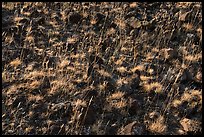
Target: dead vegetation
101 68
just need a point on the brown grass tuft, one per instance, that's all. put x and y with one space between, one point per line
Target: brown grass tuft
158 126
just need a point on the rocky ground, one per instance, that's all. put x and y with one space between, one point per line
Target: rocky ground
102 68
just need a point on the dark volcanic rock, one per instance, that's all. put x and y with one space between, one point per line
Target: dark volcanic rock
74 18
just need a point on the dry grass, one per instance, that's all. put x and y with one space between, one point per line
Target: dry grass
95 68
153 87
158 126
